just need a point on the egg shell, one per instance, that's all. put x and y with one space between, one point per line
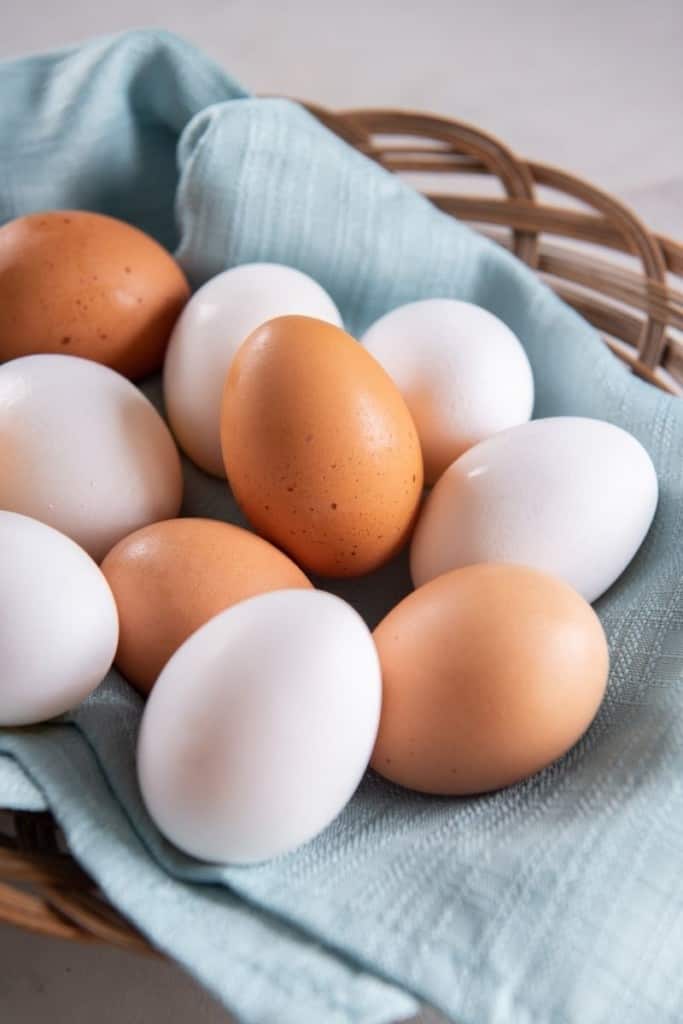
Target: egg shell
489 674
83 450
320 449
461 370
212 326
571 496
58 628
84 284
260 726
169 578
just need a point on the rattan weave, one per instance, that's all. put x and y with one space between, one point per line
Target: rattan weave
588 246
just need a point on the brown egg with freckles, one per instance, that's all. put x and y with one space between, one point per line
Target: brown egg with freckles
489 673
84 284
319 446
169 578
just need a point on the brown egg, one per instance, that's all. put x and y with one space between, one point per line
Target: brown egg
170 578
83 284
319 446
489 673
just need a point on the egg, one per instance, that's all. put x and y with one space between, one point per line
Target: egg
572 496
83 450
87 285
260 726
170 578
489 673
211 328
320 449
461 370
58 628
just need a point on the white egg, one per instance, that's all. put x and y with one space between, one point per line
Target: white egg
571 496
83 450
260 726
213 325
58 628
462 371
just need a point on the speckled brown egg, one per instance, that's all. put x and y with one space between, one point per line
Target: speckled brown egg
169 578
320 449
87 285
489 673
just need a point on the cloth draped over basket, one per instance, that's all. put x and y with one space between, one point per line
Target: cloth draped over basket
557 900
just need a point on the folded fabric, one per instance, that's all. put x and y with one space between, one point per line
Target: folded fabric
557 900
17 792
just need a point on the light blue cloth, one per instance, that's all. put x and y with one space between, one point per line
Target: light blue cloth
559 900
17 792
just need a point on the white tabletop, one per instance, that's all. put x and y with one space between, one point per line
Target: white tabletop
593 87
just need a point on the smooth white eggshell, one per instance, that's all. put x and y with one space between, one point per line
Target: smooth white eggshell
571 496
83 450
59 626
213 325
462 371
260 726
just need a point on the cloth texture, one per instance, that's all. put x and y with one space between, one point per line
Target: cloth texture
558 900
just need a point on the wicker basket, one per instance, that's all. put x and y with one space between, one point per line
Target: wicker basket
630 290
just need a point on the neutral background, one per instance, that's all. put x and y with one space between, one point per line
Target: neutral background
594 87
